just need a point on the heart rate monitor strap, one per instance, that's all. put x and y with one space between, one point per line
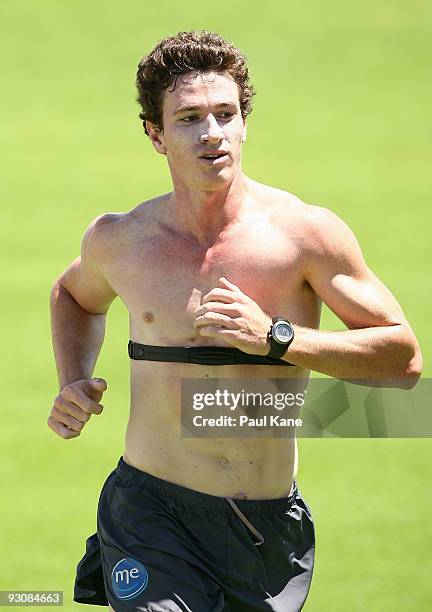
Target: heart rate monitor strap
202 355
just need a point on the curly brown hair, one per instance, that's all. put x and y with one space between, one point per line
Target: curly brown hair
188 51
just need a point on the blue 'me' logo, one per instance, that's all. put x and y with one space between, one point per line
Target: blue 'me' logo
128 578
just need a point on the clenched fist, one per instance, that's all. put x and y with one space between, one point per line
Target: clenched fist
231 315
74 405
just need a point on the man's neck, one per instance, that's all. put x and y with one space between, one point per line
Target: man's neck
206 214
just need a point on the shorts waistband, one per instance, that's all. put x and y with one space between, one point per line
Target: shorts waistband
130 474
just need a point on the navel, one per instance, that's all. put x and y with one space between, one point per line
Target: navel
224 462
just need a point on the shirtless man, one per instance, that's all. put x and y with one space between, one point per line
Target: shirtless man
193 524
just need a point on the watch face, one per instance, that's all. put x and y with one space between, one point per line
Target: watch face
282 332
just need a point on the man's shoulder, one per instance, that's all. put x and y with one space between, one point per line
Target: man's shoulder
326 232
110 233
287 206
273 197
315 226
109 227
290 206
321 233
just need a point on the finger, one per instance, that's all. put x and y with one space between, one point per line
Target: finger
67 420
70 408
220 295
61 430
214 331
224 282
221 307
215 318
99 384
95 388
78 397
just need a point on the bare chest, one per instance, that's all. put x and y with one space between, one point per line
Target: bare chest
162 280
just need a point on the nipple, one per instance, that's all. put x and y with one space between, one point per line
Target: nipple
148 317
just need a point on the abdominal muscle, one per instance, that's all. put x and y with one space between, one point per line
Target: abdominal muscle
239 467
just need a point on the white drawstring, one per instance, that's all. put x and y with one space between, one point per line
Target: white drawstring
246 521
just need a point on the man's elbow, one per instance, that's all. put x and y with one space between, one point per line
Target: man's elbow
57 290
413 367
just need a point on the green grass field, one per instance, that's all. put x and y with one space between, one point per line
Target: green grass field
342 118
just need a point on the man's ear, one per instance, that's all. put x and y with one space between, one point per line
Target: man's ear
244 133
156 136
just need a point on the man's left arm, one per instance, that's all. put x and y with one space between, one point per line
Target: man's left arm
379 346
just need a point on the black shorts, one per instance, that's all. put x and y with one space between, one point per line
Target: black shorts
163 547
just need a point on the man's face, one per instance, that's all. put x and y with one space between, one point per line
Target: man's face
200 117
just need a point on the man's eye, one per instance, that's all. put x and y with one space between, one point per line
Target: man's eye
226 115
188 119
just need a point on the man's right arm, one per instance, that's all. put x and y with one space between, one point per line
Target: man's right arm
80 299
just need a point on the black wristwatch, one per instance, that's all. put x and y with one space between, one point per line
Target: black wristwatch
280 334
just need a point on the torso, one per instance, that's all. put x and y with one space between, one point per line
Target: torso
161 277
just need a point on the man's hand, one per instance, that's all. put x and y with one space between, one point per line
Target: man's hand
229 314
74 405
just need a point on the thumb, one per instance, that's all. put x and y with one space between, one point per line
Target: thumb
224 282
98 384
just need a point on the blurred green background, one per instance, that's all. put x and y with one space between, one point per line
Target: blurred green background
342 118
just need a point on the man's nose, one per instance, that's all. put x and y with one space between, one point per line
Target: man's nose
212 130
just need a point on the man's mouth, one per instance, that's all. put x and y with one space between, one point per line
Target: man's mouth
214 157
